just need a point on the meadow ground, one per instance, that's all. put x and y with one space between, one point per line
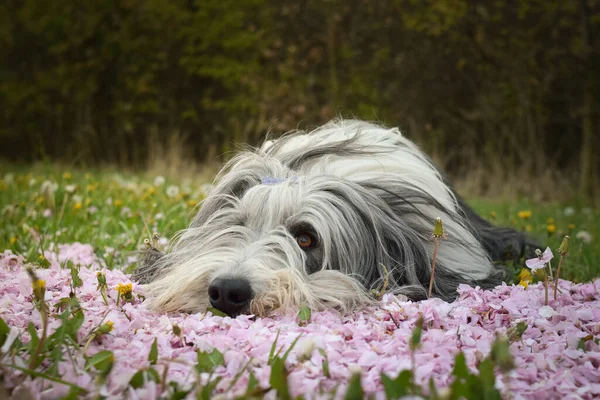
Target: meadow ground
110 211
115 211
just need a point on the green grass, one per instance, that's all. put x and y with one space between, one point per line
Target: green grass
115 211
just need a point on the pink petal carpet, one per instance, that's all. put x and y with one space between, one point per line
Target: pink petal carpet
557 357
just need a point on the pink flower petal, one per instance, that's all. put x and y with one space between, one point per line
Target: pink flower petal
555 355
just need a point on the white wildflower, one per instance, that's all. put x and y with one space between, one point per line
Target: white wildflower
48 187
159 181
47 213
305 349
354 369
172 191
70 188
569 211
584 236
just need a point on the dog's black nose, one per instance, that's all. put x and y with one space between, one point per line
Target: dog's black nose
230 295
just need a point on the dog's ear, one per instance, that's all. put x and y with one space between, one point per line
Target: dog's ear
149 267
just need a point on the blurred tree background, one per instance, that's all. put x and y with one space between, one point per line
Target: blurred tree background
495 90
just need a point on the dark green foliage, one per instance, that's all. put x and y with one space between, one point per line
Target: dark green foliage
76 280
325 363
102 362
140 378
278 378
207 362
252 383
398 387
206 392
354 391
153 355
415 339
33 345
501 356
4 330
304 315
216 312
102 81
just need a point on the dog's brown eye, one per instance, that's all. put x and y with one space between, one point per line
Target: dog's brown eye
305 241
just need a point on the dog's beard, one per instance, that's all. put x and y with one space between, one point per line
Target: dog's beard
185 287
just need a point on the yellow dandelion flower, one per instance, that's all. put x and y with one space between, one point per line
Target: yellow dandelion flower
40 199
192 203
118 203
526 214
106 327
91 187
493 214
39 284
39 289
41 257
551 228
524 284
149 193
125 290
67 176
571 227
550 221
13 240
524 275
78 205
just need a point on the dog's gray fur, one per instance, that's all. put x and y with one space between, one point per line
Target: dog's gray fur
367 194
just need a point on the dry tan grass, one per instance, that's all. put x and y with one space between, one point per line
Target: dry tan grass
175 160
498 176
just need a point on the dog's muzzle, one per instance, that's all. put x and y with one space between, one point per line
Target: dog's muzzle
230 295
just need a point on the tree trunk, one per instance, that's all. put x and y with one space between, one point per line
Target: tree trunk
588 169
332 52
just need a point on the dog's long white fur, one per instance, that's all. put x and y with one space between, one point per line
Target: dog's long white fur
370 194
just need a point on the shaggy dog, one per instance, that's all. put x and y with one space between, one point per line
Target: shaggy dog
319 219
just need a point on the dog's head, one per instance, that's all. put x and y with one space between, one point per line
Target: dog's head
268 238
